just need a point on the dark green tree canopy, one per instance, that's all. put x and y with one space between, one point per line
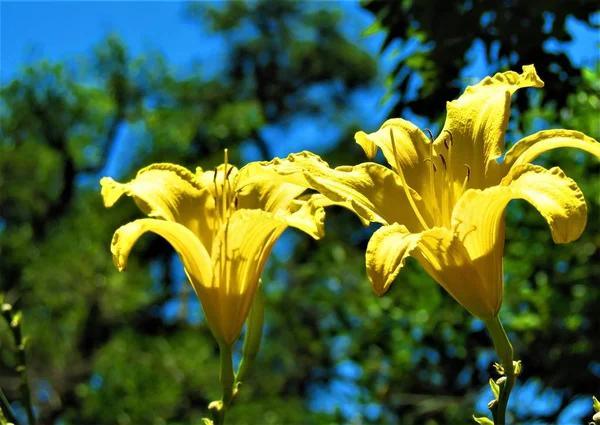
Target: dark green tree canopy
513 33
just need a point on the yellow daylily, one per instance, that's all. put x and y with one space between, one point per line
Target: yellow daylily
444 200
222 227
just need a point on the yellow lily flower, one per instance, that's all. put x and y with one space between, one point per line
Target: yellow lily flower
222 227
444 200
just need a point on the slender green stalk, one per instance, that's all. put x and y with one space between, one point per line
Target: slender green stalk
6 409
227 377
504 351
14 324
226 374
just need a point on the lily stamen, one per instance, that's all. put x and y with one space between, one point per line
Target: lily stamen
450 175
443 160
405 185
216 197
466 180
225 176
445 188
451 139
432 164
430 134
432 170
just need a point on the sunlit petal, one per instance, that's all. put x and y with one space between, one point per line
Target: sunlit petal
478 217
478 120
409 154
371 190
307 215
529 148
374 193
291 169
320 200
169 192
267 194
440 253
192 253
239 256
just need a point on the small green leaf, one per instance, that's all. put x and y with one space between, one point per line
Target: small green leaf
495 388
499 368
517 366
483 420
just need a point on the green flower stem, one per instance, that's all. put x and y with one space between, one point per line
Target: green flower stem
504 351
227 377
6 409
14 323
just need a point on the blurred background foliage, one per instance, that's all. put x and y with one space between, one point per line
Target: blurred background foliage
131 348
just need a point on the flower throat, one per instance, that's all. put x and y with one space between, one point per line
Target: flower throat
441 183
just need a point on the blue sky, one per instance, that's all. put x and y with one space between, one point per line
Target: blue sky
67 31
63 30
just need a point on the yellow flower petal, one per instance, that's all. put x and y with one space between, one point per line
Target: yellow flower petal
554 195
193 255
478 119
320 200
287 170
169 192
371 190
241 250
529 148
440 253
478 217
306 215
410 153
266 194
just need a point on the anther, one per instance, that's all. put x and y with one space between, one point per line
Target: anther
430 134
229 172
443 160
466 180
432 164
451 139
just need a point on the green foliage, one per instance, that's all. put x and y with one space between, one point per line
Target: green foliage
101 344
512 34
483 420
